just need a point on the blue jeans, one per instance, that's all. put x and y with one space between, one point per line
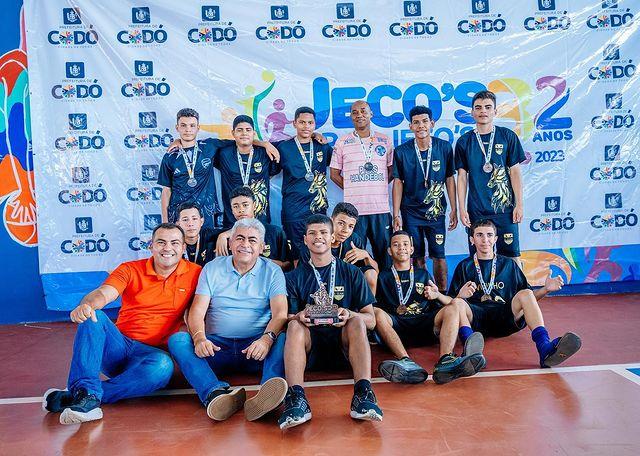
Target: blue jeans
134 369
201 372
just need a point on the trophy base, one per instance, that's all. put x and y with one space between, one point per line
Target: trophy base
325 320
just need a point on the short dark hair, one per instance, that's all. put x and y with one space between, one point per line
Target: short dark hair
242 191
189 205
347 209
419 110
400 233
242 119
167 226
316 219
484 95
482 222
304 110
187 112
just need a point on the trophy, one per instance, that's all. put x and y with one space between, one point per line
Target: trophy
324 311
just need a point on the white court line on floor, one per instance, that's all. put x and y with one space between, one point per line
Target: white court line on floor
620 369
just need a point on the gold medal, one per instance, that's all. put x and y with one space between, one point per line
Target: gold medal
485 297
402 309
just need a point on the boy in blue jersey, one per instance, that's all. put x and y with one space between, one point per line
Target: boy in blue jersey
187 174
488 161
276 246
410 310
423 170
499 301
327 281
304 176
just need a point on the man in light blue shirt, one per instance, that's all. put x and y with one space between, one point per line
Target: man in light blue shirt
238 311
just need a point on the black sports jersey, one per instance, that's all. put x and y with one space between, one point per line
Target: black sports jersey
387 295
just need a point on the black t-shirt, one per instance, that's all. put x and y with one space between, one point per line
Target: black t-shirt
173 174
489 193
262 168
350 291
301 198
339 252
207 248
387 295
276 246
509 279
421 204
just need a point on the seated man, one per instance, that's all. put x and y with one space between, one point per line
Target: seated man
239 308
347 245
327 281
498 301
410 309
155 292
201 246
276 246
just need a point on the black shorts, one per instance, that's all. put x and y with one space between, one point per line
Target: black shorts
495 319
327 352
416 329
435 235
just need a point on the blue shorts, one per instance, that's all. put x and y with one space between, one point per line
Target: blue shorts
508 235
435 235
295 231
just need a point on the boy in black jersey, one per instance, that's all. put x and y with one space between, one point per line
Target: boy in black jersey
327 281
499 300
410 309
201 245
276 246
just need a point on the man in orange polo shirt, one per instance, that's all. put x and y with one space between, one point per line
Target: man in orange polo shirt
155 292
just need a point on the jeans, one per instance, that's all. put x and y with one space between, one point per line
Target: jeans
201 372
134 369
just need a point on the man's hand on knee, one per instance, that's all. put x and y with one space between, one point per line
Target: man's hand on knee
82 313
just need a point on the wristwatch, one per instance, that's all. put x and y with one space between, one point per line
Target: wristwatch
271 335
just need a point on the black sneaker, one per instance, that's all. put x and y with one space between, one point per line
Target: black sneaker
84 407
222 403
565 347
56 400
403 370
364 406
450 367
296 409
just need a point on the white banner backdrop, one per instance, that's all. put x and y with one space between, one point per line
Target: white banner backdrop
107 79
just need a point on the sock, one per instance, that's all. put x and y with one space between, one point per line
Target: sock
361 386
541 338
464 332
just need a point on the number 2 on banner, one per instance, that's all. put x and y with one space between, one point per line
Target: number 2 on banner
544 120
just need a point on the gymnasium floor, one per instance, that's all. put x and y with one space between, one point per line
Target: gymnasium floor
589 405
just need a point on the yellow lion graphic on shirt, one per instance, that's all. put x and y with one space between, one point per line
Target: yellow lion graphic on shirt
259 189
319 187
433 199
501 198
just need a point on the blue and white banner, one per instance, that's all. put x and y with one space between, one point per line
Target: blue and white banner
108 77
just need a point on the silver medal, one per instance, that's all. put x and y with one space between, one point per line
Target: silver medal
308 177
192 182
487 168
368 166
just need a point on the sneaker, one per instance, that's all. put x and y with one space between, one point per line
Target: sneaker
403 370
364 406
450 367
296 409
56 400
268 398
222 403
475 345
565 347
84 407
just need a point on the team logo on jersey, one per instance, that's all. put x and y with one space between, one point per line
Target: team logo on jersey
338 293
501 198
205 162
267 251
499 148
433 200
419 287
508 238
319 187
381 150
320 156
259 189
439 239
435 165
257 167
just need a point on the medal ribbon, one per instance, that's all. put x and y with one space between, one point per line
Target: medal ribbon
186 252
190 163
368 154
487 154
332 278
245 173
401 297
425 172
307 165
486 288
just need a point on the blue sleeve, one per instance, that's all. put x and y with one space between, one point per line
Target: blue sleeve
278 282
165 175
515 152
457 281
204 288
361 295
293 296
398 165
461 155
450 169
